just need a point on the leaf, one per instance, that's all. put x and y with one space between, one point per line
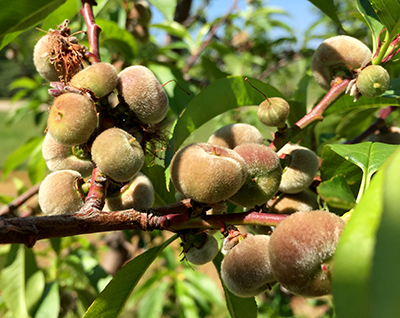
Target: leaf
151 305
217 98
176 29
166 7
238 307
371 20
187 304
65 11
337 193
19 155
118 39
388 12
19 15
385 280
37 165
353 256
328 7
50 305
112 299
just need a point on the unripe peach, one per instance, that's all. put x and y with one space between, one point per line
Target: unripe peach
72 119
60 157
42 55
301 250
207 173
143 12
100 78
338 55
246 269
59 193
300 173
234 135
288 203
273 112
373 81
263 175
202 254
143 93
138 194
391 137
117 154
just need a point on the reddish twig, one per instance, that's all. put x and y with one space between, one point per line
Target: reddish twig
192 59
16 203
93 29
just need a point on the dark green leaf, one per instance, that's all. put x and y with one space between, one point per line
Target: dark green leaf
328 7
388 12
166 7
162 196
19 15
50 305
353 257
371 20
238 307
66 11
385 280
393 90
337 193
217 98
112 299
355 122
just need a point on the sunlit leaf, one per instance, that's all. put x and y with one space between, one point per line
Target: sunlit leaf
327 7
337 193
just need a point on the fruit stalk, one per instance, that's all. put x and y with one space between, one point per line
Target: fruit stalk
93 29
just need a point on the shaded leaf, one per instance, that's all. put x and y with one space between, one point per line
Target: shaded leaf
328 8
37 165
370 19
238 307
151 305
112 299
65 11
337 193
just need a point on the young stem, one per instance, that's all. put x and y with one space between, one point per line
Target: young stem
93 29
315 114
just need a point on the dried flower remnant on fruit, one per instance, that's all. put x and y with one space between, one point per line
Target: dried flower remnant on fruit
373 81
138 194
72 119
57 55
60 157
117 154
207 173
301 249
143 94
246 269
264 174
59 193
300 173
200 249
338 56
233 135
100 78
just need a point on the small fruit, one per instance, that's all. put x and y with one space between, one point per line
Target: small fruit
59 193
72 119
338 55
207 173
143 93
263 175
200 249
117 154
301 250
42 58
288 203
373 81
138 194
60 157
300 173
273 112
100 78
246 269
234 135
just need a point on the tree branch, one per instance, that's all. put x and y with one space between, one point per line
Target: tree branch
93 29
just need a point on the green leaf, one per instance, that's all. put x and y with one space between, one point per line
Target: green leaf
238 307
37 165
66 11
20 155
186 303
328 7
337 193
371 20
117 39
353 257
112 299
385 280
151 305
19 15
166 7
217 98
388 12
162 196
176 29
50 305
